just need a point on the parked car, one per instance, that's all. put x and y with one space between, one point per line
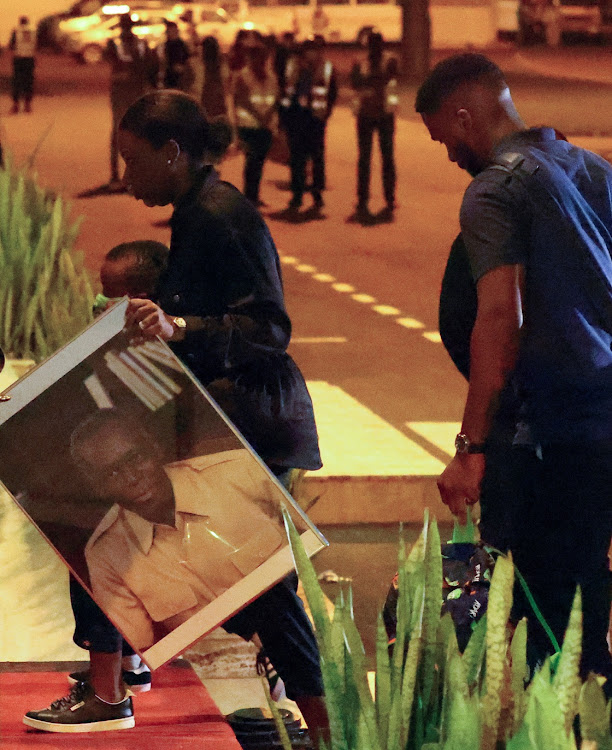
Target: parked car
89 43
548 20
86 36
217 22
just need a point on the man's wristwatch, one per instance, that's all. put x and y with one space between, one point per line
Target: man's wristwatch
464 445
180 324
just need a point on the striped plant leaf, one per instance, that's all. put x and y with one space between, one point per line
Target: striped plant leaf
595 714
498 612
519 675
566 680
383 681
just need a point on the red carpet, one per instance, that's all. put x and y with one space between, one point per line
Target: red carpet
177 714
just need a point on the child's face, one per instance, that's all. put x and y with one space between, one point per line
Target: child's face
116 277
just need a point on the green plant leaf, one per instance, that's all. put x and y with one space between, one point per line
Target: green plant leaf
519 674
383 681
566 680
475 651
595 714
498 612
278 719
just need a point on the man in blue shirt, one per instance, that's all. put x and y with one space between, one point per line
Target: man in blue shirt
536 222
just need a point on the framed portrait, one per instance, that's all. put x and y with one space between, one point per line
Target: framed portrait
144 488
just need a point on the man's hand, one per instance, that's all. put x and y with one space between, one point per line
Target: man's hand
144 320
459 483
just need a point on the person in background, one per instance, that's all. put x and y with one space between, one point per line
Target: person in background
237 56
255 98
375 104
285 48
132 73
307 101
175 71
320 20
23 46
214 98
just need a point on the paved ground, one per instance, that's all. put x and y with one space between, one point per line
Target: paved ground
363 300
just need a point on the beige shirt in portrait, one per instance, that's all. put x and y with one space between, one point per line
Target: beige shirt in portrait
143 572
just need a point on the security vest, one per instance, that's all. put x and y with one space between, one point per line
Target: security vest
376 94
253 99
317 100
25 41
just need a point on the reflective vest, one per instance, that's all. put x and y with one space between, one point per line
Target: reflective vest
366 95
25 41
320 92
391 95
260 95
317 102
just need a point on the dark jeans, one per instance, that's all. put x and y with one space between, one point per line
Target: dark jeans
256 143
366 127
277 616
306 140
562 519
23 79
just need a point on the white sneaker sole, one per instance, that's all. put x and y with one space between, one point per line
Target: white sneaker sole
94 726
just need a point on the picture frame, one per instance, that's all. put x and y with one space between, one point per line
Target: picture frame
144 488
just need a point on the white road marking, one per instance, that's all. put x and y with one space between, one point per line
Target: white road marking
410 323
367 299
324 277
386 310
355 441
341 287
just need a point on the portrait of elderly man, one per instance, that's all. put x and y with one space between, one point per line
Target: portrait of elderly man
177 534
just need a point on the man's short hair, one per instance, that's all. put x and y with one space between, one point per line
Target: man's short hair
448 75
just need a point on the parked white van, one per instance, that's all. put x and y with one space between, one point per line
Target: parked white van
454 23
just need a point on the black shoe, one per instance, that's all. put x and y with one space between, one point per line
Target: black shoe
138 681
318 200
294 204
82 711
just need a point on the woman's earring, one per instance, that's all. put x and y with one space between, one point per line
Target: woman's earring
169 161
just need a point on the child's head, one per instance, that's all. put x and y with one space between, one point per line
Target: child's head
133 269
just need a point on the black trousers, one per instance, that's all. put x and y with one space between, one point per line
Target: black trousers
23 79
366 127
306 141
256 143
559 529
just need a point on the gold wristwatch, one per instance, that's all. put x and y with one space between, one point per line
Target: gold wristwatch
180 324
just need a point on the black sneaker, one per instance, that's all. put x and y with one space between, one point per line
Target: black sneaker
82 711
138 680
